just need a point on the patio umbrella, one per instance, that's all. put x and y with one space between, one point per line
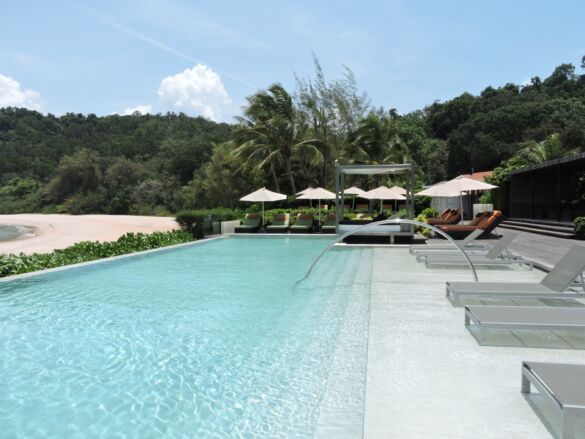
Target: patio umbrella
355 191
261 196
317 194
455 188
304 191
400 190
383 193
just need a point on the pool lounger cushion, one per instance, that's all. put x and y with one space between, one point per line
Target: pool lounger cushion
545 318
563 385
280 223
553 285
303 224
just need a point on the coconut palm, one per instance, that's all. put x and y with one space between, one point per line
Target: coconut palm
549 149
271 135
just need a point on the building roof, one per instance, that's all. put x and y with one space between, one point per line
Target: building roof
549 163
479 176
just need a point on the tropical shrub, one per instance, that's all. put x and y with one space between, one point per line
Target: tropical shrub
430 212
426 232
579 225
89 251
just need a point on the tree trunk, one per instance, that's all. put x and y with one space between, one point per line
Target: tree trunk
290 176
274 177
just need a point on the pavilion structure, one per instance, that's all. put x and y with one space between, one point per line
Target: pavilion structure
403 169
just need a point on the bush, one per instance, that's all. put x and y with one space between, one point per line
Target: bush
579 225
426 232
89 251
430 212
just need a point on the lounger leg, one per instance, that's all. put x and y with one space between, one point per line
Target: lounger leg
525 383
568 424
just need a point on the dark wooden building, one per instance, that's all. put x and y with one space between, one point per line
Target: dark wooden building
552 191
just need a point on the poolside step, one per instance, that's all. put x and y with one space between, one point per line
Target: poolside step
548 228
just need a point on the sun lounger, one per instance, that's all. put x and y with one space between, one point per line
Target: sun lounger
563 385
543 318
466 243
452 217
552 285
494 257
303 223
280 223
329 225
251 223
487 224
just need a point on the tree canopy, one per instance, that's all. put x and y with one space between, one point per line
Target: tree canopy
285 139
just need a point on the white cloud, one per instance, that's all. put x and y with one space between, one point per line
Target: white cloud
142 109
198 91
13 95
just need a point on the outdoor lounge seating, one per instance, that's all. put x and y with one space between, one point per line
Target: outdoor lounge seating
563 386
496 256
251 224
466 244
553 285
487 224
543 318
280 223
303 223
328 225
453 216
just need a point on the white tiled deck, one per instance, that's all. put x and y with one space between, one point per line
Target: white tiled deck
427 375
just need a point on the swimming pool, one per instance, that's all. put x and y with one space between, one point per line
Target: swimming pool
201 340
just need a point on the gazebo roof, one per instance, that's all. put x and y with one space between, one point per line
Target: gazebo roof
403 168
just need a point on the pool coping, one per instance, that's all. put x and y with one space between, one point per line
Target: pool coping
109 259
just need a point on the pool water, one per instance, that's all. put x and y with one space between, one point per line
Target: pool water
204 340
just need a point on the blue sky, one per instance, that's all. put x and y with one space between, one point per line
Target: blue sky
206 57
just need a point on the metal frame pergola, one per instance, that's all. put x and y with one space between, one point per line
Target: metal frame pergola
388 169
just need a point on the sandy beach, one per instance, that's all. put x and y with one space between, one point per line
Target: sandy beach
58 231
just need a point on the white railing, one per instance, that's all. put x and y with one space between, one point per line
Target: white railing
391 221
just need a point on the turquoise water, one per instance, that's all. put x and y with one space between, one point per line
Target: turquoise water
10 232
206 340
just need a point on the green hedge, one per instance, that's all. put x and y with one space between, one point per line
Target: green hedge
89 251
579 225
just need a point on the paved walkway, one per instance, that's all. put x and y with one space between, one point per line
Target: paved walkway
546 251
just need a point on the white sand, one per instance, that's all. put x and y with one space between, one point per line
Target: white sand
59 231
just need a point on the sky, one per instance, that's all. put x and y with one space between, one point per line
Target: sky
205 57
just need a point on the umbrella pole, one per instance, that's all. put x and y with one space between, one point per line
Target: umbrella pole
262 213
353 206
461 205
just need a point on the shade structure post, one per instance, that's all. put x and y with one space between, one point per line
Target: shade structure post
263 221
337 184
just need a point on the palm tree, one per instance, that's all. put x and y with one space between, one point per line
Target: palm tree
549 149
271 135
376 141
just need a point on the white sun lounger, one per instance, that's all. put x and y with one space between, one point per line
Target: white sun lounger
551 286
466 243
563 385
495 256
496 250
543 318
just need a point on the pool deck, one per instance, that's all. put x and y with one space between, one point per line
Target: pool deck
546 251
428 376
